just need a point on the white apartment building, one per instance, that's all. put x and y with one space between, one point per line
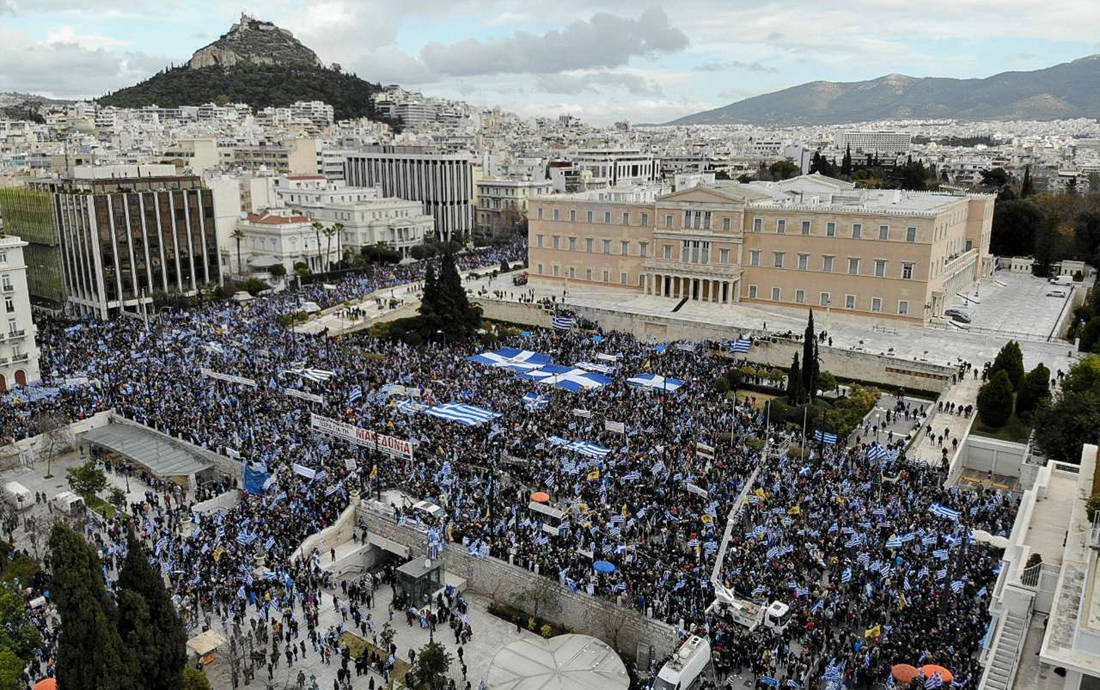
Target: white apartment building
18 351
318 113
883 142
366 217
618 166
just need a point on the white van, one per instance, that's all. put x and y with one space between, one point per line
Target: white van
18 496
423 509
1064 281
69 503
686 665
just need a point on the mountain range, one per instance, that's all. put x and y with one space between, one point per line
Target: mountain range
256 63
1067 90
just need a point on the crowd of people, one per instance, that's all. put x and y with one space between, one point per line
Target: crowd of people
652 500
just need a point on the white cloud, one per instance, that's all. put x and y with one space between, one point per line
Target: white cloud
573 83
68 70
606 40
66 34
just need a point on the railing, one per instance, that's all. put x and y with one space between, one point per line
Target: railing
1094 542
1030 575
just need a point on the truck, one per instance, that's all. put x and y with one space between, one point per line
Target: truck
68 503
18 496
686 665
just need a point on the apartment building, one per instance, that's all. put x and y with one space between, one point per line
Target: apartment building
125 232
883 253
887 143
18 351
294 157
502 200
443 182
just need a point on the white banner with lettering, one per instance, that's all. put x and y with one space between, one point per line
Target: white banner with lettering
211 374
397 447
295 393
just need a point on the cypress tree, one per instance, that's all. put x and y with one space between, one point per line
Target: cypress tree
794 382
809 375
1027 187
846 162
148 622
90 652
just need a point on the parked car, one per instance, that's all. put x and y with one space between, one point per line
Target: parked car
956 314
520 279
1057 292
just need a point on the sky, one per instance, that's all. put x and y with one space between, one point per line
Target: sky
601 60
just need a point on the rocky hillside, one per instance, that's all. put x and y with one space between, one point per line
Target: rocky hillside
258 42
256 63
1071 89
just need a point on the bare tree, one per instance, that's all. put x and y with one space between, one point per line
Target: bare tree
56 436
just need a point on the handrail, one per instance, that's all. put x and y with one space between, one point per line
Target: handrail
1029 577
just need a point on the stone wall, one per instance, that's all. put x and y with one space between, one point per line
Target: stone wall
27 451
884 370
334 535
625 629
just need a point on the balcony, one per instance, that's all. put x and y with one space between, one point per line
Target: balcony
12 335
21 357
7 288
711 270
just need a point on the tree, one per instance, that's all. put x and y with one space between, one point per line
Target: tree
317 228
1084 376
995 400
1033 390
1090 335
301 269
1062 426
86 480
17 635
277 271
846 162
338 229
55 432
11 670
1027 187
1011 361
794 382
148 622
90 652
542 598
782 170
194 679
1015 225
826 381
994 178
432 662
444 309
238 235
810 367
329 231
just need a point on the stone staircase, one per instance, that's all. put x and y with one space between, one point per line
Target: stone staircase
1006 654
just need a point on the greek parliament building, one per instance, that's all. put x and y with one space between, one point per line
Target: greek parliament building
443 182
809 241
122 233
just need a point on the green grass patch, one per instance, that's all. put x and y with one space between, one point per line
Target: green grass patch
358 647
1015 430
104 508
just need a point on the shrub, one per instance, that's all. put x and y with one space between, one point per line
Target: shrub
995 400
1011 361
1093 505
1034 388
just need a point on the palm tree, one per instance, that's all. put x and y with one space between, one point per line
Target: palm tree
329 232
317 227
339 229
238 234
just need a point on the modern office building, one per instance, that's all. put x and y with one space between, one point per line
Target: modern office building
127 232
29 214
618 166
18 351
443 182
808 241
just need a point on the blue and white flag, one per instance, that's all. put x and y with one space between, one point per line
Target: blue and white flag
466 415
825 437
944 512
654 381
934 681
573 379
893 542
534 402
355 393
512 359
846 576
564 322
740 345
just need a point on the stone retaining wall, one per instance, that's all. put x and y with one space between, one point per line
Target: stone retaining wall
620 626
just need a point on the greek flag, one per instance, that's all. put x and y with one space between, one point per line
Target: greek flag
740 345
632 476
875 452
658 467
590 450
572 379
941 573
535 402
944 512
792 683
466 415
930 539
769 681
245 538
315 375
355 394
957 586
856 540
654 381
564 322
847 575
940 554
411 406
834 671
512 359
933 682
825 437
893 542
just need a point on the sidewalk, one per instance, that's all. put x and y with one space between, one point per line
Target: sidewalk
963 393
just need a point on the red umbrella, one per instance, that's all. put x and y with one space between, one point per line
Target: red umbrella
930 670
540 497
903 673
47 684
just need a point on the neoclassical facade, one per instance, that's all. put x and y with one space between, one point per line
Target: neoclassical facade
885 253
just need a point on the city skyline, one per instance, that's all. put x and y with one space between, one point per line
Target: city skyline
602 62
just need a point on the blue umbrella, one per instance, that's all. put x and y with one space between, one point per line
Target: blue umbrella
597 338
603 567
